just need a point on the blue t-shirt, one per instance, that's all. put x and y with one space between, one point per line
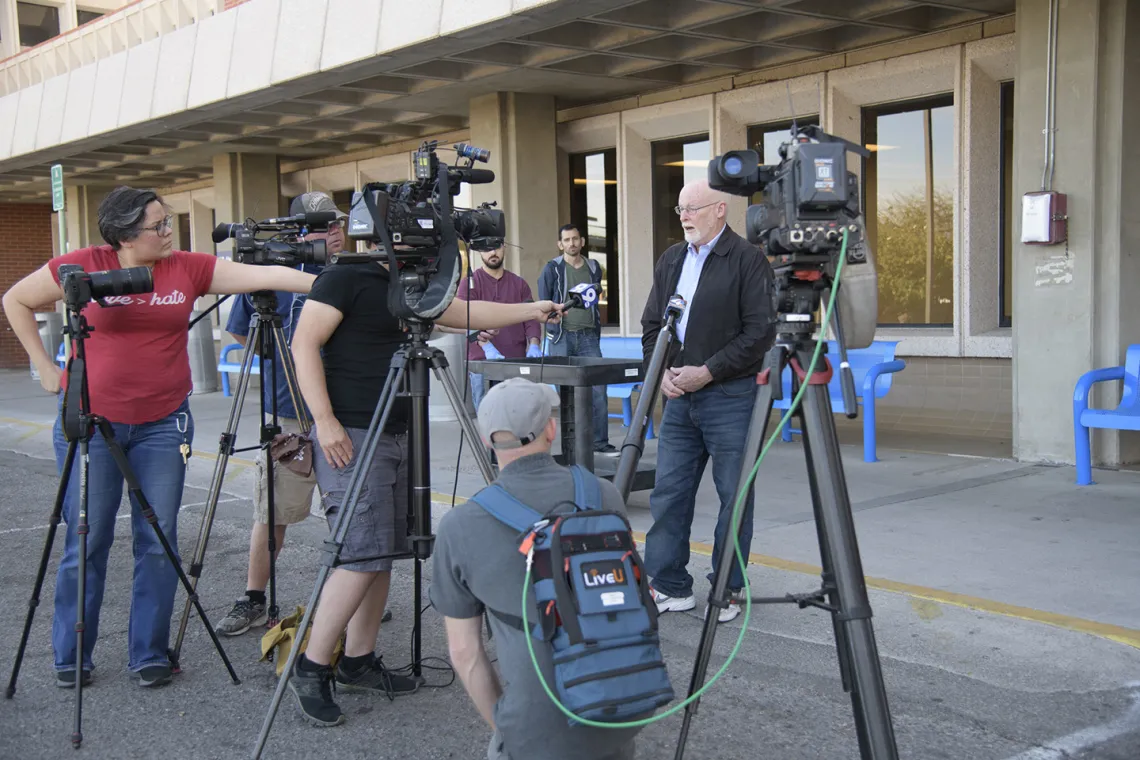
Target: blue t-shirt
289 309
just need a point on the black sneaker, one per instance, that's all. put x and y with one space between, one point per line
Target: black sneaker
65 679
605 448
375 678
313 690
155 675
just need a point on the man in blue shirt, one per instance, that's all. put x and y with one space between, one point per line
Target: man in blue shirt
292 493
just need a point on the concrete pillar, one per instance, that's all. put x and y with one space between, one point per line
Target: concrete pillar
519 130
82 207
1074 304
245 185
204 360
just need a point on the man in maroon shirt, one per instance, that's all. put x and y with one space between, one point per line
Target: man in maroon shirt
492 282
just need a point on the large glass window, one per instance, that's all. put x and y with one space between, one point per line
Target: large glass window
675 163
593 207
1005 274
909 188
766 139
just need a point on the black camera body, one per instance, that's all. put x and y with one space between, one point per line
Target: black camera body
416 230
81 287
283 246
810 200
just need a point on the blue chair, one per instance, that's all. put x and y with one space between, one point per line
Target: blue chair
1126 415
225 366
615 347
61 356
872 369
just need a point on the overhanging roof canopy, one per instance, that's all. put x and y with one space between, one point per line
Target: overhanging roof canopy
324 85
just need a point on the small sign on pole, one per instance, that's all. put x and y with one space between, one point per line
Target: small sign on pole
57 187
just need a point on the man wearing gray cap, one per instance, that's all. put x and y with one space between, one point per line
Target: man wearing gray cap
477 567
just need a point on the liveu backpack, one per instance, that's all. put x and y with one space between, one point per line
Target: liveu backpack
595 610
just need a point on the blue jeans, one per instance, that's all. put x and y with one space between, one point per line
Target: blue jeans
476 388
152 452
711 422
585 343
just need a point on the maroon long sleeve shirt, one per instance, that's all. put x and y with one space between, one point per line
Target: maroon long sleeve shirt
510 288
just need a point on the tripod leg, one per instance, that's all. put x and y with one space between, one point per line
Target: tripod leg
45 557
332 545
268 359
868 693
225 448
827 577
290 370
135 488
439 366
761 412
81 530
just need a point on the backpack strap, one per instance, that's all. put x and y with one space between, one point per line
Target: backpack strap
587 490
506 508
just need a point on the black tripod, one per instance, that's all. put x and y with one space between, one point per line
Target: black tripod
407 376
78 427
843 592
266 339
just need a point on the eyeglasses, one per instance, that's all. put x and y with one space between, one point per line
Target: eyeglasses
692 209
165 224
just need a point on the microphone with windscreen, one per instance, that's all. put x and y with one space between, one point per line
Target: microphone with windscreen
584 296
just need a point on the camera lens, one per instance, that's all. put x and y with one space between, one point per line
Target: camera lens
121 282
732 166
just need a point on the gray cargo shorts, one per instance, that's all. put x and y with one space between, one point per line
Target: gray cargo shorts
380 520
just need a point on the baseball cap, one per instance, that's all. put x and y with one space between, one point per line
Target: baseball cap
518 407
314 201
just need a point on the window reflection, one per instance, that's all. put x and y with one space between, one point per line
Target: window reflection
675 163
37 23
909 188
593 207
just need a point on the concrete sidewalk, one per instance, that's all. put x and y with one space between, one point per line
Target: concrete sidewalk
1001 595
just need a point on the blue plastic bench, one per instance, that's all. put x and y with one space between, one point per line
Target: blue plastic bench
1126 415
225 366
872 368
615 347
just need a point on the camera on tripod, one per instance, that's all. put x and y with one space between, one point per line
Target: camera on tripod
283 247
81 287
810 203
417 230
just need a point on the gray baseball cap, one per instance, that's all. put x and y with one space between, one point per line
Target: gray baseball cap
518 407
314 201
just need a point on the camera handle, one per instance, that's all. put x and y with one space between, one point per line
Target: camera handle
79 426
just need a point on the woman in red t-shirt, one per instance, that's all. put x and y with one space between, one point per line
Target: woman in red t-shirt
138 375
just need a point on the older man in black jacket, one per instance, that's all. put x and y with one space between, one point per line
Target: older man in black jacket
710 388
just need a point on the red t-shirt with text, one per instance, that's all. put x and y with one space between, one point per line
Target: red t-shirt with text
138 364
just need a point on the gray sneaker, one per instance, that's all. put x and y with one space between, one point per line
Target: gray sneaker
244 615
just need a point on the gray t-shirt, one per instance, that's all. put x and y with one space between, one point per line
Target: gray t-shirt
476 565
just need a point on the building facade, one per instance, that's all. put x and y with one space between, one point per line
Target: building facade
597 111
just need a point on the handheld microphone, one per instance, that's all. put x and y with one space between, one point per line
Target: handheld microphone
584 295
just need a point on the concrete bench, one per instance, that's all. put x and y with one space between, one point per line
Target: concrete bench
1126 415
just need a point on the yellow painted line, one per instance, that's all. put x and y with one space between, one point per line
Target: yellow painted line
1119 634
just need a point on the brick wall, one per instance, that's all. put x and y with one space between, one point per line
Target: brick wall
25 244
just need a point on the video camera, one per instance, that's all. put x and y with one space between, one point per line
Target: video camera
81 287
809 201
416 230
282 247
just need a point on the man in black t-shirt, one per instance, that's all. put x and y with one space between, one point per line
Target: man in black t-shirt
343 347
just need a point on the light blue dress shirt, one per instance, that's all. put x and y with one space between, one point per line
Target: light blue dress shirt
690 276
